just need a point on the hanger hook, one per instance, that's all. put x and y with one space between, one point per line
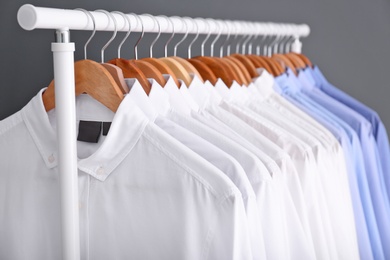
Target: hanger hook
290 39
196 37
235 37
140 37
239 42
256 35
207 37
280 37
273 33
184 37
244 44
268 35
125 18
113 35
93 32
273 44
216 38
169 20
226 40
264 41
284 40
158 35
263 31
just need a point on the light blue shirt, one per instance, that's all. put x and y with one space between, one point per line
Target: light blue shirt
291 88
379 130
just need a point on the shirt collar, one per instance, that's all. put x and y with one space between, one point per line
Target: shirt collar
317 72
215 97
138 95
305 80
127 126
264 83
199 92
222 89
176 97
159 99
186 94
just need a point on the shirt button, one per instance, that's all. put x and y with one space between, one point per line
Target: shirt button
100 171
51 158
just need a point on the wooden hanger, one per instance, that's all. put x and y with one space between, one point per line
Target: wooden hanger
115 71
296 60
243 72
304 58
237 73
131 71
274 70
284 61
163 68
247 62
93 79
279 68
150 71
188 66
259 63
117 75
178 70
219 68
204 71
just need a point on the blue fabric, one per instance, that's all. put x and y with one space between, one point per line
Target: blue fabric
364 164
379 130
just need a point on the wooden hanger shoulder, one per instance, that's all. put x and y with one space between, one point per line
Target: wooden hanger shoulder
117 75
246 61
233 70
259 63
296 60
245 76
304 58
283 59
150 71
131 71
219 69
204 70
163 68
188 66
93 79
179 71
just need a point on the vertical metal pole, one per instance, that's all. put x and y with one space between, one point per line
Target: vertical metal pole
63 58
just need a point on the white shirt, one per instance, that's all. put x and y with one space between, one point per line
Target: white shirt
333 173
272 211
300 244
219 158
329 158
143 195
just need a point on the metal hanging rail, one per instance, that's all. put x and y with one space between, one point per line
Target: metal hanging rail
31 17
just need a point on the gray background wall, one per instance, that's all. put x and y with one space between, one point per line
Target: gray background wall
350 41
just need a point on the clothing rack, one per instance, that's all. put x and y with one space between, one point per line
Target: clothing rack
63 20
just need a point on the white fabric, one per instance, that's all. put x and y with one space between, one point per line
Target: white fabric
300 245
143 195
219 158
330 164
